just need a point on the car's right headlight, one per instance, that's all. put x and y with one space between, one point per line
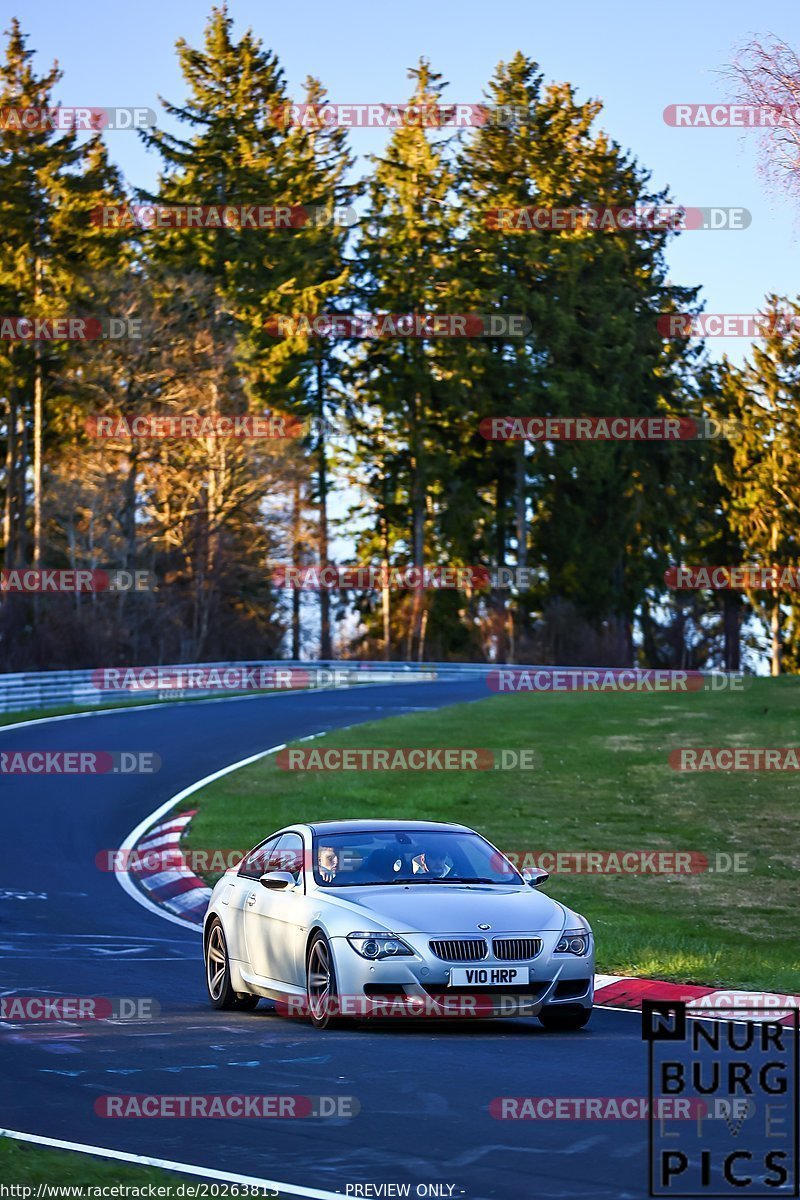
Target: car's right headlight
574 941
379 945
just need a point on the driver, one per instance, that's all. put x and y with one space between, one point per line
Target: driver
327 863
431 862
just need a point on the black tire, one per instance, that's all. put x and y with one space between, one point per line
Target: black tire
555 1017
322 994
218 981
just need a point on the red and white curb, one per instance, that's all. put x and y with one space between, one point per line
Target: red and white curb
175 888
619 991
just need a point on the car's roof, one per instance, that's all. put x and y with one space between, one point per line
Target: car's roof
369 824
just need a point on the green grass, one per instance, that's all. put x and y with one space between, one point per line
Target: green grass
601 781
24 1163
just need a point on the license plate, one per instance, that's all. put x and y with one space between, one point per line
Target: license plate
488 976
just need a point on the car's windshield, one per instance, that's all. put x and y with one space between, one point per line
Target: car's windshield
367 857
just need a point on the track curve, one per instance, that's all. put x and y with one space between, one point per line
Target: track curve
66 928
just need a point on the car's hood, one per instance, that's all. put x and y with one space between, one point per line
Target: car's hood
453 908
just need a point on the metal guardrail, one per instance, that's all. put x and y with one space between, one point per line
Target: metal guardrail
107 686
33 690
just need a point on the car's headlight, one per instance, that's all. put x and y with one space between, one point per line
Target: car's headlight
378 945
574 941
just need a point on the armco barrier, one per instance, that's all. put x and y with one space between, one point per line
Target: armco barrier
77 689
32 690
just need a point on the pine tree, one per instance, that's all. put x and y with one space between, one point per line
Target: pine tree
582 514
405 254
50 181
761 479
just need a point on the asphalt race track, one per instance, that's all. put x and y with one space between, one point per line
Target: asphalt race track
67 928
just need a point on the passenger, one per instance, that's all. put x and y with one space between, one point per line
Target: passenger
327 863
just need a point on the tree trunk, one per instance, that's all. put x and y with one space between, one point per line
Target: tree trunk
775 638
22 498
498 598
9 507
38 422
296 561
417 534
325 647
775 622
522 623
731 625
383 525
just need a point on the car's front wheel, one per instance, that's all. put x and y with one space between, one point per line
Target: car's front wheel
321 990
218 973
558 1017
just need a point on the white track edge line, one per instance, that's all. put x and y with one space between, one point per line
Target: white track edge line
166 1164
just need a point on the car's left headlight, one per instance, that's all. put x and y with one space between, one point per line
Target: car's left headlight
574 941
379 945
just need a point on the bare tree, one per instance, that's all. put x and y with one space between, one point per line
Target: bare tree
766 74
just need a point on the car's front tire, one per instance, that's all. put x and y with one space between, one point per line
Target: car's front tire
322 993
218 973
560 1017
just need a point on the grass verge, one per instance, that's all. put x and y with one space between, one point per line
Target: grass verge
601 782
23 1163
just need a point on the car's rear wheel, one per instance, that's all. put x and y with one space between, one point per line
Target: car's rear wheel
558 1017
321 989
218 973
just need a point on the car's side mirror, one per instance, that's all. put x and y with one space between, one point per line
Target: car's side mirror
277 881
535 876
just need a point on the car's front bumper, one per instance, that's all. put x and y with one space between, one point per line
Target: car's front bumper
422 984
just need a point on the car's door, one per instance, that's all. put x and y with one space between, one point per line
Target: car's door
235 892
273 920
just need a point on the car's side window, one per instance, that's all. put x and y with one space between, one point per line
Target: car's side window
254 864
288 856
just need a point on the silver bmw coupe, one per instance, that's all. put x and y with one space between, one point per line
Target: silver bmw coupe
343 921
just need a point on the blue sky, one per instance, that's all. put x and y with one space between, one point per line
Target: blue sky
637 59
